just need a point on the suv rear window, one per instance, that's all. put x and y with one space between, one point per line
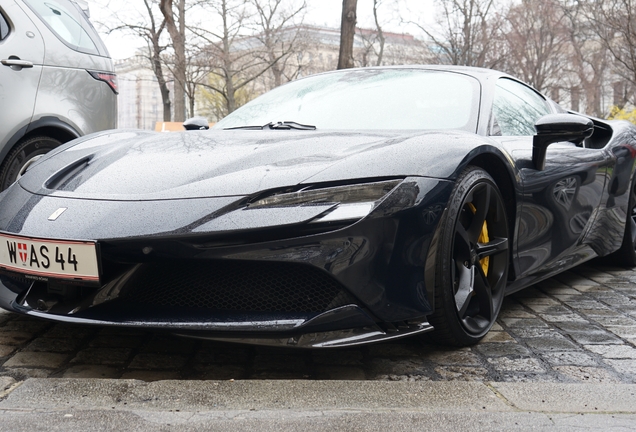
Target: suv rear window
67 22
4 27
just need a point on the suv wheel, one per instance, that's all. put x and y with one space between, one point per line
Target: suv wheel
25 153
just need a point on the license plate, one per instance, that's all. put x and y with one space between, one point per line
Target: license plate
49 258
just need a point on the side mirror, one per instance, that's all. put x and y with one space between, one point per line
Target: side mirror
196 123
552 128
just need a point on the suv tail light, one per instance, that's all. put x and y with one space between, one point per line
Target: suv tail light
108 78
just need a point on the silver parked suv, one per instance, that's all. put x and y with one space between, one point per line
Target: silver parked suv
56 80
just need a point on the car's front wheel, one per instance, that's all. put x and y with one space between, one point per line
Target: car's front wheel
472 261
24 154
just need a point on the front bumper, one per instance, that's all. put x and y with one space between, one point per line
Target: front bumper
370 275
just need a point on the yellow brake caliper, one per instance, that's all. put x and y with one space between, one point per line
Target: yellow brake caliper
483 238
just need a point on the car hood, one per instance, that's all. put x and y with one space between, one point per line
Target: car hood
140 165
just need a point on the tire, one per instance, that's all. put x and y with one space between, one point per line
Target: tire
22 155
472 261
626 255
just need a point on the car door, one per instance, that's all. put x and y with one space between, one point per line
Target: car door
558 204
21 58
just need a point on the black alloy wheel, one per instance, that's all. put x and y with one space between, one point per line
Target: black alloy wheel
24 154
626 255
472 261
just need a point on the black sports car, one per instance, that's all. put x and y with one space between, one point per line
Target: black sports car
340 209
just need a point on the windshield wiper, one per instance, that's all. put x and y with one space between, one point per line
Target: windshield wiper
285 125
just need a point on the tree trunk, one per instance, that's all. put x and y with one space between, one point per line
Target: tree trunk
347 33
177 34
381 37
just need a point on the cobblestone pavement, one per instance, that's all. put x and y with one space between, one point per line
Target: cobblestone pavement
577 327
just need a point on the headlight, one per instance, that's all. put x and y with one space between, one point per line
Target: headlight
350 202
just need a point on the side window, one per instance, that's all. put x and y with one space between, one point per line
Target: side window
66 22
4 28
516 108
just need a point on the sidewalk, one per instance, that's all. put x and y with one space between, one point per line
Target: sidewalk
89 404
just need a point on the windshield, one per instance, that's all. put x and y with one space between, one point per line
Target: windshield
368 99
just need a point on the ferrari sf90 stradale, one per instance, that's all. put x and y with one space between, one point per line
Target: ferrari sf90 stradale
339 209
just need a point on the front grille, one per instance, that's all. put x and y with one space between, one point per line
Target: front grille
237 286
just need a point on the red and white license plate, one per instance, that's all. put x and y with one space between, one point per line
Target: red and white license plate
49 258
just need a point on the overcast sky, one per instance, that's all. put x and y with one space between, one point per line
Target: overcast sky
320 12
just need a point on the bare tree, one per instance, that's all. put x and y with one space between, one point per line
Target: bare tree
588 59
150 28
279 31
237 58
347 33
372 38
467 32
537 42
175 22
614 22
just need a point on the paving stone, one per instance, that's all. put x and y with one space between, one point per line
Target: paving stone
72 331
623 331
518 314
36 360
169 345
588 374
54 345
535 301
577 326
409 378
524 364
571 317
593 313
552 309
533 332
281 361
5 350
21 374
586 304
499 349
151 375
342 358
117 341
30 326
222 372
91 371
15 338
498 336
496 327
157 361
340 373
393 350
462 373
627 367
595 337
552 343
571 358
590 288
523 322
214 352
103 356
566 297
397 367
613 351
562 291
449 357
118 331
612 299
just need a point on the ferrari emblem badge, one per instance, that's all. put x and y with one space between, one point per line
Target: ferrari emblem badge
56 214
